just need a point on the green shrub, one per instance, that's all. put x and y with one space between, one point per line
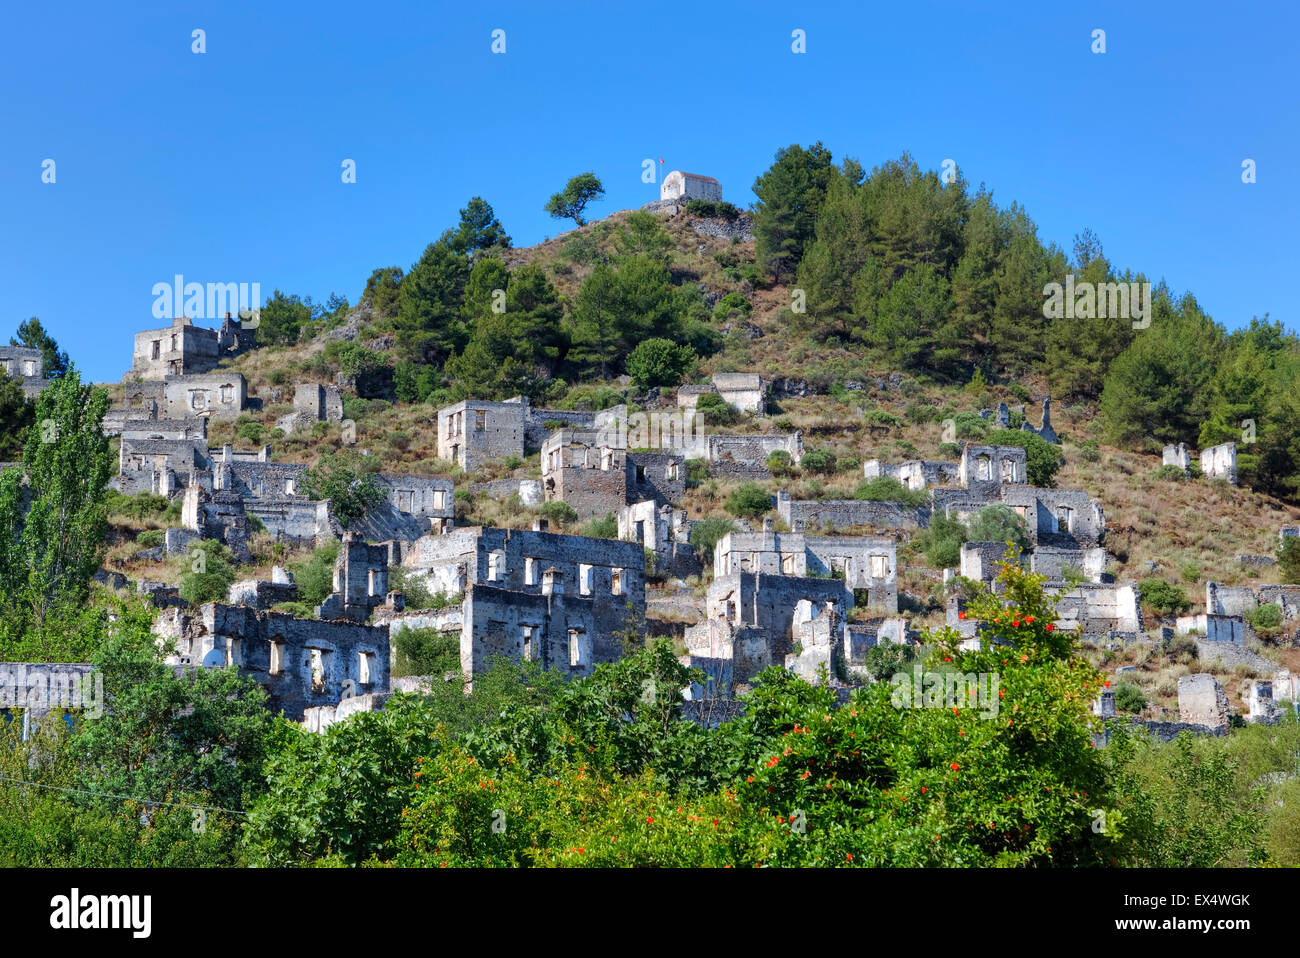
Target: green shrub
1019 391
1288 560
732 303
716 411
997 523
1169 473
1042 459
883 661
942 541
1165 598
970 425
706 534
1088 451
879 417
252 432
150 538
950 450
315 574
604 527
709 209
659 362
1267 619
917 413
780 463
425 652
557 511
209 573
697 470
889 489
819 461
1129 697
748 500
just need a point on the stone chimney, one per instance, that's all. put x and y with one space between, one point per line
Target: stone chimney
552 582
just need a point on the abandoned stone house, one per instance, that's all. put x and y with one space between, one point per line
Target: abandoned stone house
183 349
746 391
360 580
565 601
755 619
1220 462
690 186
302 663
474 432
863 563
312 403
595 478
663 530
26 366
221 395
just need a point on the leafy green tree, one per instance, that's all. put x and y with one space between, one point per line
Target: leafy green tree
571 202
1157 389
283 319
618 307
1042 458
16 415
1129 697
33 335
997 523
49 552
199 736
479 230
659 362
790 196
383 289
428 322
315 574
426 652
340 478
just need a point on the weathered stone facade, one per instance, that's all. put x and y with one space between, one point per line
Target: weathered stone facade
182 348
1202 701
1220 462
595 478
301 663
863 563
26 366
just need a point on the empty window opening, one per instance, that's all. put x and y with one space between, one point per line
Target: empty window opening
480 420
277 656
879 567
530 570
317 670
577 650
616 582
584 579
364 667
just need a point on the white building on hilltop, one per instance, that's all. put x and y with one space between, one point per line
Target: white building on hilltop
689 186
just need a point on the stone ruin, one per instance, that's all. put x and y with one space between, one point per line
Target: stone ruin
26 366
1202 701
312 403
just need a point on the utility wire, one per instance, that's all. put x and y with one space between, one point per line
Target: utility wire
125 798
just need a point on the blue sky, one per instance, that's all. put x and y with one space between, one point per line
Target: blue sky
225 166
